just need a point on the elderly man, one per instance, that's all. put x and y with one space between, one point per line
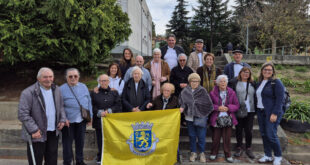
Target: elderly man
179 74
146 77
232 69
171 51
196 58
74 94
42 113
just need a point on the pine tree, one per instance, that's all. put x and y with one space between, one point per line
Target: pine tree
211 22
178 25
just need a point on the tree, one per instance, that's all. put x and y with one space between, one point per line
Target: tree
211 22
281 21
76 32
178 25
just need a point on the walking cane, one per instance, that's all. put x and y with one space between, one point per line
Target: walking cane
28 136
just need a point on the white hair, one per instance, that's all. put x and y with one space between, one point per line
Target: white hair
156 50
72 69
44 69
220 77
100 76
136 68
182 55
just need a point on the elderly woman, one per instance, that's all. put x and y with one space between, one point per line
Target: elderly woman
225 103
196 103
159 71
127 61
104 102
244 86
116 81
166 100
270 96
208 72
135 95
179 74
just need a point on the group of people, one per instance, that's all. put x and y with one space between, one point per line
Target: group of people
170 80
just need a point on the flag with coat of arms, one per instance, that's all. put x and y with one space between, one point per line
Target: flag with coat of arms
141 138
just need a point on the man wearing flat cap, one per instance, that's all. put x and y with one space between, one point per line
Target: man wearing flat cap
232 69
196 58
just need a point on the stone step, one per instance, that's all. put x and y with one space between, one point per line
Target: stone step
8 110
256 143
21 152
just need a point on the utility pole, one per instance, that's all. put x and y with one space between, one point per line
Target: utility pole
247 39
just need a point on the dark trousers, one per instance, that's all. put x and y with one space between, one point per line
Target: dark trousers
268 131
76 132
216 139
245 124
99 142
47 150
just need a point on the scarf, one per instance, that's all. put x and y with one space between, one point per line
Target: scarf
208 83
156 75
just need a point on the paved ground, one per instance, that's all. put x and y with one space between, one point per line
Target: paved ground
25 162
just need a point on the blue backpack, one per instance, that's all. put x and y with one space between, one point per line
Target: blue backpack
287 99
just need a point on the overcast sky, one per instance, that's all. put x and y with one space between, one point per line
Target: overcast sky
161 11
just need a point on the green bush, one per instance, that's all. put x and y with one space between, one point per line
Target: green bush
301 69
298 111
288 82
279 67
74 32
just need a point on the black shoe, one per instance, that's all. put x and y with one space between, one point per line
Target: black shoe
238 152
80 163
250 153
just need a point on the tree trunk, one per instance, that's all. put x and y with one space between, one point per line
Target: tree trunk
274 46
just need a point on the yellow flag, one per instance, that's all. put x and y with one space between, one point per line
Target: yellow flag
141 138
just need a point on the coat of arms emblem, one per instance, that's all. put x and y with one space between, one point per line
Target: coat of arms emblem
142 141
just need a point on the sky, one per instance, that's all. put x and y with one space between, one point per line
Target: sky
161 11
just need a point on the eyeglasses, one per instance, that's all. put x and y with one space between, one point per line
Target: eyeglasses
267 70
246 72
195 81
104 80
182 60
73 76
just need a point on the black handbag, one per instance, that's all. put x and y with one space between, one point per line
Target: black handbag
224 121
84 112
243 111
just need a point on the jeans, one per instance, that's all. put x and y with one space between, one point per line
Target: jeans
76 132
195 132
269 135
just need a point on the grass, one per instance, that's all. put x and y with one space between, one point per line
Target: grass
301 69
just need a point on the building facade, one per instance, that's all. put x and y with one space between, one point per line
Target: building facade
140 19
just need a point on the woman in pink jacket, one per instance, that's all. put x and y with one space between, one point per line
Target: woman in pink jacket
225 103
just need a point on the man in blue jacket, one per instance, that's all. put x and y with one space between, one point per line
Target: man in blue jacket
232 69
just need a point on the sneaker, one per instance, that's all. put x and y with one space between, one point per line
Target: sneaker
277 160
98 162
193 157
202 157
238 152
250 153
265 159
230 160
212 157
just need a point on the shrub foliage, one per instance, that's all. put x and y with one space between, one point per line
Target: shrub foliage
76 32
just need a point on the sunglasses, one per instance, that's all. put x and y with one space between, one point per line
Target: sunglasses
73 76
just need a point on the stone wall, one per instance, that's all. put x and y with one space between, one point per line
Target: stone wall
277 59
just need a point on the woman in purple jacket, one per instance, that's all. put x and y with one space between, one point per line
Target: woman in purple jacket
225 103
